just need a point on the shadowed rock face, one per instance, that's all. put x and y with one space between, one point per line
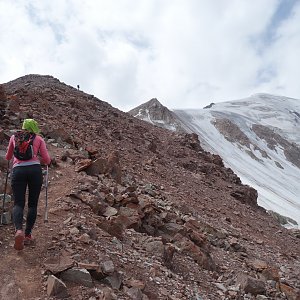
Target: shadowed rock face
232 132
273 140
150 200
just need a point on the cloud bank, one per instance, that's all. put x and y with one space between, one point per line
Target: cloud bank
185 53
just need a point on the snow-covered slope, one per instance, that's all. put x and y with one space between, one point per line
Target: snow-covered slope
259 139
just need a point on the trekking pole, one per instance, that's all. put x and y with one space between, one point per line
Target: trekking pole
46 206
4 196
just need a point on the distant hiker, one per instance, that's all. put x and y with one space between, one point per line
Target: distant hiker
78 87
24 147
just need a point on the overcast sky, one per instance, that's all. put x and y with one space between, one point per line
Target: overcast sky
185 53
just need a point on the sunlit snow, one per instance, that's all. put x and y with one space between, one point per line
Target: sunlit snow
278 189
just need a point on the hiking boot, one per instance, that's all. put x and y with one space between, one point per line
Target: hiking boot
19 240
29 240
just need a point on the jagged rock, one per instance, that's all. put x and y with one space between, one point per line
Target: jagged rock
108 267
221 287
271 273
114 226
6 218
171 228
199 239
192 141
258 265
115 280
295 232
251 285
234 245
214 159
130 216
283 220
58 264
99 166
110 211
56 288
188 247
113 166
97 274
150 191
77 275
134 293
84 238
135 283
74 231
155 247
98 207
91 151
110 199
133 199
245 194
169 251
290 292
82 165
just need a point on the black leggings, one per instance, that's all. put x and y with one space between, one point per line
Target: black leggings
22 177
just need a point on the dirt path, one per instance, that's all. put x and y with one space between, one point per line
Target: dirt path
21 272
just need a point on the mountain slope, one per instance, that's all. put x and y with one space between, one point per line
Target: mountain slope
145 212
259 138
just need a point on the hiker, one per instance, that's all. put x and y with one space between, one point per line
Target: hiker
78 87
26 171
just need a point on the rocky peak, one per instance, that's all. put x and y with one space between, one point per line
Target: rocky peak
153 106
153 103
157 114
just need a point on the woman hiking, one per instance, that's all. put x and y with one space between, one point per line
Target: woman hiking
24 147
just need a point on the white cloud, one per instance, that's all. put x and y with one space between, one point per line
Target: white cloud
185 53
284 59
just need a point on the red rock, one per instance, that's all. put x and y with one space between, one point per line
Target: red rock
290 292
82 165
58 264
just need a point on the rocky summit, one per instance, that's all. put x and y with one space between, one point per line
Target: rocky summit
135 211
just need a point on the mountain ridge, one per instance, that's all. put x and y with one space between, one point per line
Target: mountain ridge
261 127
145 212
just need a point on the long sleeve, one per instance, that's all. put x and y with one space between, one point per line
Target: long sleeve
44 153
10 149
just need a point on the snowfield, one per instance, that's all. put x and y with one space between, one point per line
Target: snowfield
278 188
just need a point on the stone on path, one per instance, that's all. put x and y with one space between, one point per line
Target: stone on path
77 275
55 287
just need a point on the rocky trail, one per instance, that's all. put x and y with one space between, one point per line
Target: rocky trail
136 211
21 272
